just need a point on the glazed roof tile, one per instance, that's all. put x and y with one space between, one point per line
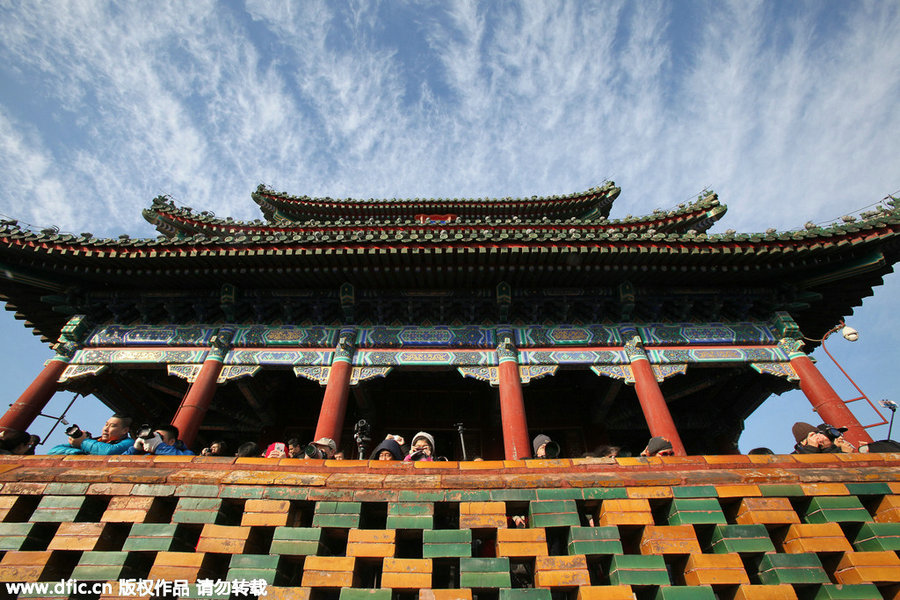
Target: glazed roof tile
279 206
173 221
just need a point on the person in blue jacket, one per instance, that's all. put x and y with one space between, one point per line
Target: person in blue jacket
113 439
163 441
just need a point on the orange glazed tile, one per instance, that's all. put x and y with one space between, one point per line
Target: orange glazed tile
715 569
182 458
436 464
416 481
224 539
816 458
738 491
536 534
868 567
631 511
128 509
861 457
258 460
482 508
605 592
784 591
287 593
463 594
895 487
328 571
514 464
355 480
302 479
24 565
683 460
650 491
718 459
561 571
406 573
78 536
548 463
478 465
267 506
633 461
250 477
482 521
764 459
371 543
766 511
819 537
823 489
888 510
669 539
522 542
177 565
329 464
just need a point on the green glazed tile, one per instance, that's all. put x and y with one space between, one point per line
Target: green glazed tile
802 568
692 592
635 569
854 591
874 537
741 539
695 511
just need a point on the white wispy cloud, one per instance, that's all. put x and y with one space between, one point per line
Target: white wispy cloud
205 100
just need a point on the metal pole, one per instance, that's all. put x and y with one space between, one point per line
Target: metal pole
462 441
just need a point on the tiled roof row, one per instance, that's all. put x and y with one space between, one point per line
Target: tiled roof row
449 239
595 202
175 221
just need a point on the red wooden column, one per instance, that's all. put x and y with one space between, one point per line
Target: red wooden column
195 403
20 415
25 410
825 401
337 390
516 444
653 404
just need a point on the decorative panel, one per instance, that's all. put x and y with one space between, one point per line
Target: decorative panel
706 333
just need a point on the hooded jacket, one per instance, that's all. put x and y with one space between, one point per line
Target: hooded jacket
391 446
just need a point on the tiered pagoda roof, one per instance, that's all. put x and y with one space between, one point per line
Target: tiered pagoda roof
543 247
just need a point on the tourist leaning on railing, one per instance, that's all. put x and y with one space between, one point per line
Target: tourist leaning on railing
113 439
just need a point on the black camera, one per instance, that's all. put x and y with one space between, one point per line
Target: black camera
73 431
552 450
313 451
145 432
831 431
417 455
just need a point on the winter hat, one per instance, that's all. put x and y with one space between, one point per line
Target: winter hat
424 436
801 430
539 441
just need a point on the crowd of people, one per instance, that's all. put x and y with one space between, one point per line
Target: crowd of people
118 436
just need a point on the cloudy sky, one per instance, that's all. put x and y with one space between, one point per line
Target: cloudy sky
788 110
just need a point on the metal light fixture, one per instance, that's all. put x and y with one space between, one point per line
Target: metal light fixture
850 334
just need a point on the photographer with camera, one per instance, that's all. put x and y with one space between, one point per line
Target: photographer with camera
544 447
113 439
422 448
161 441
217 448
321 448
824 439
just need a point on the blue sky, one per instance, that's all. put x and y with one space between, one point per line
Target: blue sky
787 109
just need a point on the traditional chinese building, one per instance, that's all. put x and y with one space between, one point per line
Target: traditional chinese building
494 319
511 316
